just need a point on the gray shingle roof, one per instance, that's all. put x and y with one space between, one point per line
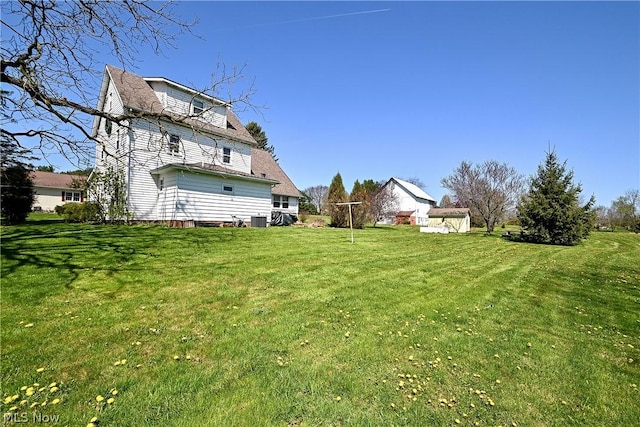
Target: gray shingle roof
263 165
54 180
137 94
448 211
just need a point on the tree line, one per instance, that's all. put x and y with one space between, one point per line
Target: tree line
47 104
548 206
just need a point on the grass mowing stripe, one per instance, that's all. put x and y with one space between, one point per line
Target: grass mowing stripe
271 326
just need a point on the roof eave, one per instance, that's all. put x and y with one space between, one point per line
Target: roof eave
196 169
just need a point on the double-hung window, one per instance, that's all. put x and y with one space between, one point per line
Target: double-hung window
174 144
197 107
281 202
71 196
226 155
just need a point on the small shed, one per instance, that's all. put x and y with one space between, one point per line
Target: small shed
405 217
457 220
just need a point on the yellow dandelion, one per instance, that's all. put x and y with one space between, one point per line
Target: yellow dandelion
99 398
55 401
53 385
53 389
40 370
110 400
114 392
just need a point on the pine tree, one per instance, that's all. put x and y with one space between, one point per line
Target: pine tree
337 194
359 193
261 138
551 211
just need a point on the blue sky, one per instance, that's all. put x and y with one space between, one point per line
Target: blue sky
411 89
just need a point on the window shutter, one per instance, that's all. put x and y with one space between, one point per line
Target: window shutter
63 196
82 196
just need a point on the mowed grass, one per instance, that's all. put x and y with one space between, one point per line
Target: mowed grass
146 325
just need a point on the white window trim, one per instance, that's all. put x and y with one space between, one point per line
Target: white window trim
171 144
197 110
230 155
280 200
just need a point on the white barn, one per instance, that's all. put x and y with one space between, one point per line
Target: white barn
192 161
413 203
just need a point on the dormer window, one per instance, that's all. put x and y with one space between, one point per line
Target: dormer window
197 107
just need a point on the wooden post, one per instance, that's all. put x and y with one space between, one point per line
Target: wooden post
350 215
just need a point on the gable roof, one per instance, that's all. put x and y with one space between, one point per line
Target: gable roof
136 93
263 165
54 180
413 189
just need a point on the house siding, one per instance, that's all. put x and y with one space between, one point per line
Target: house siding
48 198
179 102
194 176
201 197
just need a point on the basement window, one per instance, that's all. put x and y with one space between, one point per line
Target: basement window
227 189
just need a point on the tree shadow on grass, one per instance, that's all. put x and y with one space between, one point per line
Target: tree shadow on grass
42 257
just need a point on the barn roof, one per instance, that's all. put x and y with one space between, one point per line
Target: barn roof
413 189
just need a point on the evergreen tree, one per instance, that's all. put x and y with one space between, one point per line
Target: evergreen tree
17 194
261 138
359 193
337 194
551 211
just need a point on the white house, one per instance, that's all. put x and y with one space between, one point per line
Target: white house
55 189
413 203
190 159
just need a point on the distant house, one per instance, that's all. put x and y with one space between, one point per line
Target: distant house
456 220
413 203
194 161
55 189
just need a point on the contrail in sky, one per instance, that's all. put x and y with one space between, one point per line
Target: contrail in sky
316 18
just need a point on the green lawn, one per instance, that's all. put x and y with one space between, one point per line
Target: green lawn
299 327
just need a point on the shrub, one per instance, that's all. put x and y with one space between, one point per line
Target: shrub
79 212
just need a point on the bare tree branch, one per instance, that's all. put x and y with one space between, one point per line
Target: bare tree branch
50 73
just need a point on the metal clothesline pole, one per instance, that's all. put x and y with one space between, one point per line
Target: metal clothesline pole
350 214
